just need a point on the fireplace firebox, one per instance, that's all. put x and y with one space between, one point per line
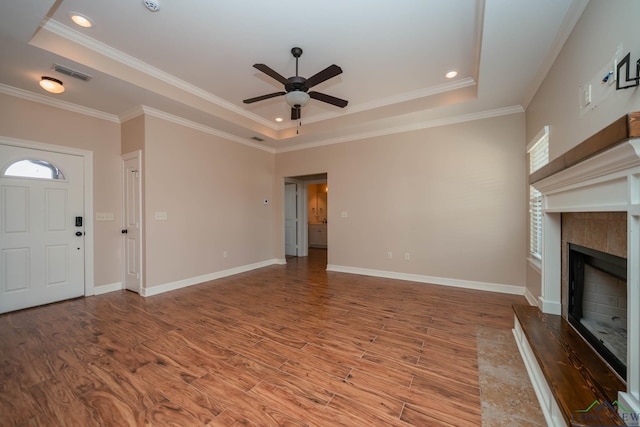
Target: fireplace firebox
597 306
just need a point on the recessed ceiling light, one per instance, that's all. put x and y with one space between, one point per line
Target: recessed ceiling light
81 20
451 74
51 85
279 119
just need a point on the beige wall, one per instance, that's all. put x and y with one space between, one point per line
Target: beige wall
603 26
40 123
213 191
452 196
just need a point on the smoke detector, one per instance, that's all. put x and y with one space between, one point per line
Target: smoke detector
152 5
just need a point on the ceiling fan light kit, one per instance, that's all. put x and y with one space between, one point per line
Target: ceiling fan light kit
297 98
296 88
51 84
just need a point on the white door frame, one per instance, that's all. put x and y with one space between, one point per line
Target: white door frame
88 197
128 156
302 216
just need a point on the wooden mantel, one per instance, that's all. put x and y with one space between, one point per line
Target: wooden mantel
621 130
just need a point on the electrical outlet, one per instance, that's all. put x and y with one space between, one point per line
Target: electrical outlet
225 254
407 256
390 255
344 214
161 216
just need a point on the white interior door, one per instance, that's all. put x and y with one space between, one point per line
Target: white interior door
290 220
132 230
41 239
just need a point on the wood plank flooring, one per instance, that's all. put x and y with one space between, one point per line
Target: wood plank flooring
286 345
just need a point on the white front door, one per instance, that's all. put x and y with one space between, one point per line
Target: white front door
290 220
132 231
41 227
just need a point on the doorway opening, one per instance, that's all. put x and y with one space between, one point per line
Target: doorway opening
306 216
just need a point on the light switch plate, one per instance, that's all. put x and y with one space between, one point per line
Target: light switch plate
104 216
161 216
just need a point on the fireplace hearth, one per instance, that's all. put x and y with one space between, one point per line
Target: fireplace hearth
597 302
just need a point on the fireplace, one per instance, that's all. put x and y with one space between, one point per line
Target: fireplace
597 303
600 176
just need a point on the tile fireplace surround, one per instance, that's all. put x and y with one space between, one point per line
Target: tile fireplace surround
600 175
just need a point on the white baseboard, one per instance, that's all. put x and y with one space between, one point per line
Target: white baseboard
103 289
531 299
468 284
160 289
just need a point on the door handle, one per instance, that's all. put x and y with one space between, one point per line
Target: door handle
78 233
125 231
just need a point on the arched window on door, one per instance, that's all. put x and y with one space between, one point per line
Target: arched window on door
29 168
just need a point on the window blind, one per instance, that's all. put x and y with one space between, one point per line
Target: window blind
538 151
535 223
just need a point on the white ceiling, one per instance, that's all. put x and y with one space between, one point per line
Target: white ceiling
192 60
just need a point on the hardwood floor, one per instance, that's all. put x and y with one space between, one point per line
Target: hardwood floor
283 345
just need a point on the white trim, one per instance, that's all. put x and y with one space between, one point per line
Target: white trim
390 100
167 287
77 37
544 132
535 263
531 299
609 181
467 284
57 103
202 128
629 403
104 289
136 154
481 115
550 409
139 110
88 197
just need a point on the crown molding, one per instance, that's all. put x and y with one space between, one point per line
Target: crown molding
391 100
487 114
61 30
57 103
131 114
150 111
75 36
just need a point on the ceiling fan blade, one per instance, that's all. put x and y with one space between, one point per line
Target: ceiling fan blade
263 97
271 73
296 113
326 74
328 99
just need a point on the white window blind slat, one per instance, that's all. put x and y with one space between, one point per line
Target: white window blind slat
538 157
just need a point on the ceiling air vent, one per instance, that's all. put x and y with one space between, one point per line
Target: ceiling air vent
257 138
72 73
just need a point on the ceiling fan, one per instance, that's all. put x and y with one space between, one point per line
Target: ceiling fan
297 88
